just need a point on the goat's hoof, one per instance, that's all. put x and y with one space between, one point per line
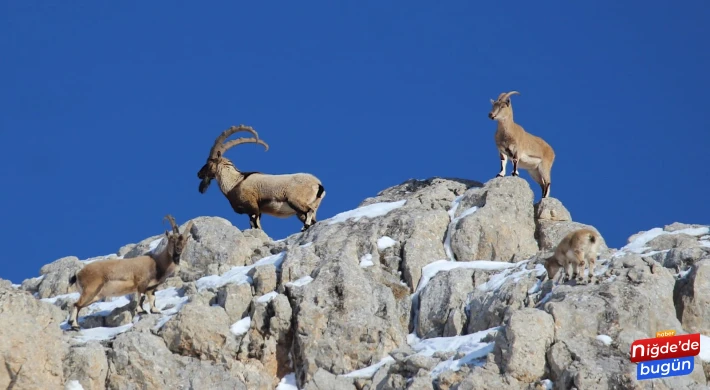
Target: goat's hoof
514 174
499 175
155 311
75 328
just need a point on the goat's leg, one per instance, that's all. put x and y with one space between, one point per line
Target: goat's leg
151 300
515 167
141 301
592 264
304 212
567 267
255 221
503 163
544 171
90 294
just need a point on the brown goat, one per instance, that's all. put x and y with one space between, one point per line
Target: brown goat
118 277
574 250
254 193
531 152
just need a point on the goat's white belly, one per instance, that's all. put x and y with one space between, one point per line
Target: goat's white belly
528 162
278 209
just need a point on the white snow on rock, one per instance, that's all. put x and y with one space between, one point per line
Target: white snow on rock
454 220
288 382
638 244
240 327
604 339
369 371
704 354
100 333
470 345
366 261
300 282
238 275
385 242
73 385
267 297
516 272
71 296
432 269
370 211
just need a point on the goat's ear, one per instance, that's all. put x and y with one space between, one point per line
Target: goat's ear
166 234
492 101
219 153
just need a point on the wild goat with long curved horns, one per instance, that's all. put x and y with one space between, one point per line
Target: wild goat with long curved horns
254 193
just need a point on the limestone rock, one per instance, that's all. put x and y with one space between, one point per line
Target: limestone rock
31 346
502 228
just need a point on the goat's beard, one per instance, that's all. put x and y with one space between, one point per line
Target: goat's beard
204 184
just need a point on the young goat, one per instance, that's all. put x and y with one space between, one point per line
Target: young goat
254 193
118 277
574 250
532 153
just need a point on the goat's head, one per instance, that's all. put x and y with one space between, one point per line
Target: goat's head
501 107
176 241
211 167
552 266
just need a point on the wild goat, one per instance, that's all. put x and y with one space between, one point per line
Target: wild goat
575 249
118 277
254 193
532 153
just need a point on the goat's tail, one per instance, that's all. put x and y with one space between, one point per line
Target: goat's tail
321 191
592 238
72 280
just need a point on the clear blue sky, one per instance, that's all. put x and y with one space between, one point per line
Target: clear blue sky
108 110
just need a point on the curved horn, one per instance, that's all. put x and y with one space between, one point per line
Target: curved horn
225 134
240 141
511 93
186 233
170 218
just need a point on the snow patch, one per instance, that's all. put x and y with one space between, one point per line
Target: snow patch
288 382
385 242
71 296
704 354
369 371
431 269
267 297
366 261
496 281
452 224
638 245
469 344
549 385
238 275
101 333
240 327
155 245
300 282
604 339
99 258
370 211
306 245
73 385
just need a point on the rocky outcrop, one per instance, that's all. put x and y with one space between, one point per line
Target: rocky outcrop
31 346
430 284
501 228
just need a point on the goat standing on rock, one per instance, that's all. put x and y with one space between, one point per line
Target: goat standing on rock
254 193
118 277
532 153
574 250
